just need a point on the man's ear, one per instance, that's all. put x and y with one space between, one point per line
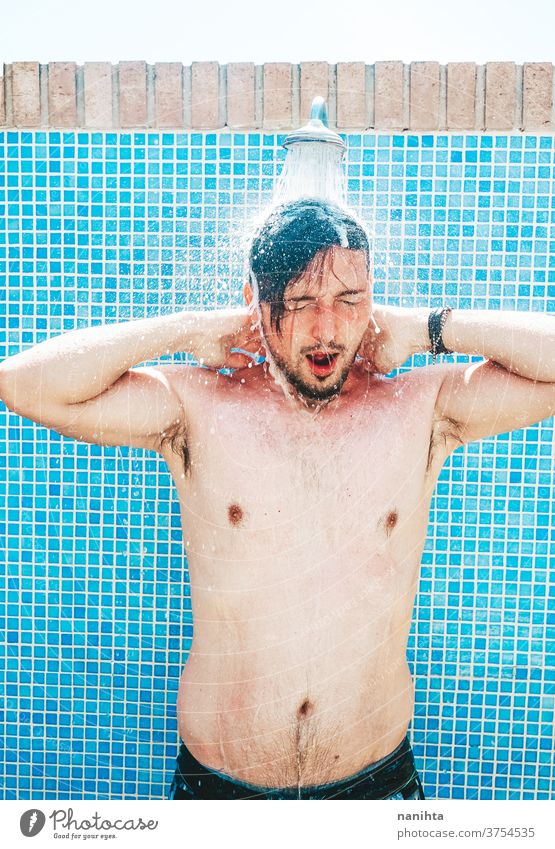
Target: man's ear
371 288
247 292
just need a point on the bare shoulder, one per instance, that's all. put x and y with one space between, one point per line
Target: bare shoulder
195 387
424 384
444 437
194 382
424 379
429 379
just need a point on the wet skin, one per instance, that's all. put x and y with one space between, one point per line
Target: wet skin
304 525
327 311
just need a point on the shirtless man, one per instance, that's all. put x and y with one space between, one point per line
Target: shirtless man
304 501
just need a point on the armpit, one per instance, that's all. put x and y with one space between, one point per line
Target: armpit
176 438
446 436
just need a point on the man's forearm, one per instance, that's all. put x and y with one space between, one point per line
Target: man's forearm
522 342
81 364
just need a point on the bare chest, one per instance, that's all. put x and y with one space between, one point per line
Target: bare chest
260 474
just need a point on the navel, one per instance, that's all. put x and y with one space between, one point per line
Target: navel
235 514
306 708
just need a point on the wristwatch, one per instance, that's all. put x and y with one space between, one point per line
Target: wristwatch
436 322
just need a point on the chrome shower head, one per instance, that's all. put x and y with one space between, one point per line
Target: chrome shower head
317 129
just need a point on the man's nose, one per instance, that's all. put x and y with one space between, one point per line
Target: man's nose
324 325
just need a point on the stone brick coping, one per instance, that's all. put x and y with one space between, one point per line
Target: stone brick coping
388 96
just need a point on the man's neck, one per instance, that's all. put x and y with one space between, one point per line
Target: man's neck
281 387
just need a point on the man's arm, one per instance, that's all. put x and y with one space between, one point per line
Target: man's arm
83 384
513 388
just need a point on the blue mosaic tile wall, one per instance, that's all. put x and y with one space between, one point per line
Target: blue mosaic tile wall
94 606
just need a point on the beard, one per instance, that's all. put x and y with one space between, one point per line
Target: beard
316 392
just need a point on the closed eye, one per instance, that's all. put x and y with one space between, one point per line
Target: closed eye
295 306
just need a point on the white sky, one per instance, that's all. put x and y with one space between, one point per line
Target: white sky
284 30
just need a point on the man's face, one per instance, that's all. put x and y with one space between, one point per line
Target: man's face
327 311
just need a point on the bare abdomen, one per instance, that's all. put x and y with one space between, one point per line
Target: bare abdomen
286 721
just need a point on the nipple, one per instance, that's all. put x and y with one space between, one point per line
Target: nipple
390 521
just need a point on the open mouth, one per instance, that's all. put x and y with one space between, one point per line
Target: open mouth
322 364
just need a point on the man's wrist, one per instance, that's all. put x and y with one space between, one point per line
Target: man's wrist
447 334
419 335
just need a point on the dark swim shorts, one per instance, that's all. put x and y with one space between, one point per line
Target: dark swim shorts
392 777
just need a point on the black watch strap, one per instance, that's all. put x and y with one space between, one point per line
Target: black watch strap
436 322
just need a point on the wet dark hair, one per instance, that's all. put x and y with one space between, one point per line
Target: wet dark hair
288 240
